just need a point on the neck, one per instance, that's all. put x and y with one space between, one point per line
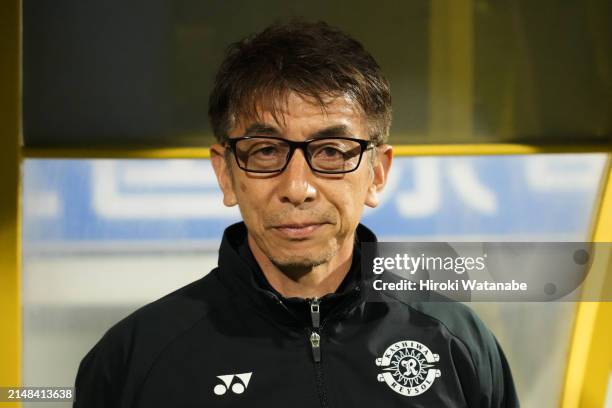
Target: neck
315 282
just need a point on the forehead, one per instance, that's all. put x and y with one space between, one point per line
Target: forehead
307 113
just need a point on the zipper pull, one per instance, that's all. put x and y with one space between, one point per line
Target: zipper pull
315 342
315 313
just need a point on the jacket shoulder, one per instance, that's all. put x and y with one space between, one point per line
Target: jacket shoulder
169 315
490 381
461 321
120 360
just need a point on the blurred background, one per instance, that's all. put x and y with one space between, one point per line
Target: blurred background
103 237
502 123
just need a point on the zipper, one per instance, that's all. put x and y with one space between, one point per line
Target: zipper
315 343
315 337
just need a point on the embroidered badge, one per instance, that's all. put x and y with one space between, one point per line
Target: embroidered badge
408 367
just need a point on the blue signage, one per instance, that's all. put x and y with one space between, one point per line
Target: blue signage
454 197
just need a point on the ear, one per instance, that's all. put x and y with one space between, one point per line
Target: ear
381 167
224 174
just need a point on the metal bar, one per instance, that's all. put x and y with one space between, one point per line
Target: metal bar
10 216
117 153
493 149
399 150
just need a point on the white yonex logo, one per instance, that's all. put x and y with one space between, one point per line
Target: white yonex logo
239 385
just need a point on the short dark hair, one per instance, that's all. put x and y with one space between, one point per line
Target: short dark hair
311 59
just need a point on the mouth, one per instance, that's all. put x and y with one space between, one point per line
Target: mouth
298 231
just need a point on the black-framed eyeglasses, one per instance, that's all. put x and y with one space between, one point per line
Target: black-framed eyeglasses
329 155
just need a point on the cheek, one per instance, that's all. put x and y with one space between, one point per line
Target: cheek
252 202
350 201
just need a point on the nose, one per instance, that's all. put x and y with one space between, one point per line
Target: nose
295 183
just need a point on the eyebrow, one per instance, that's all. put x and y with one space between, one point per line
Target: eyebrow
332 131
262 129
268 130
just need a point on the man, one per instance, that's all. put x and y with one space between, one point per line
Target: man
301 113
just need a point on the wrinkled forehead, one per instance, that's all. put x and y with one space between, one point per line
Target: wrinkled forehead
278 109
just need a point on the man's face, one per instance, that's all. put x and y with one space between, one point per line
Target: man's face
300 218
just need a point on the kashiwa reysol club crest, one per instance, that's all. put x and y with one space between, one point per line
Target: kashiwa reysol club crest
408 367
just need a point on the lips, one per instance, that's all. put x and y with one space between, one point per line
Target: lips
298 231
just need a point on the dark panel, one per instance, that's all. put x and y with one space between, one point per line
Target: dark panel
96 72
138 73
543 70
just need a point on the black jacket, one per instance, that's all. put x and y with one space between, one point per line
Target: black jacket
229 339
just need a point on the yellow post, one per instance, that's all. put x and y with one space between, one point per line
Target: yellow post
10 216
590 357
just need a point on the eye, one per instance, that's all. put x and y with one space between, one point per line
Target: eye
264 151
328 152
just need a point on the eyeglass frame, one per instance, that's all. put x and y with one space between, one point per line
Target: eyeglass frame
302 145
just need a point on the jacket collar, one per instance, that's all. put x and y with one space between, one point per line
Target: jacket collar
239 270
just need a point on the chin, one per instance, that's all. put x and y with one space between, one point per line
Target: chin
298 259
